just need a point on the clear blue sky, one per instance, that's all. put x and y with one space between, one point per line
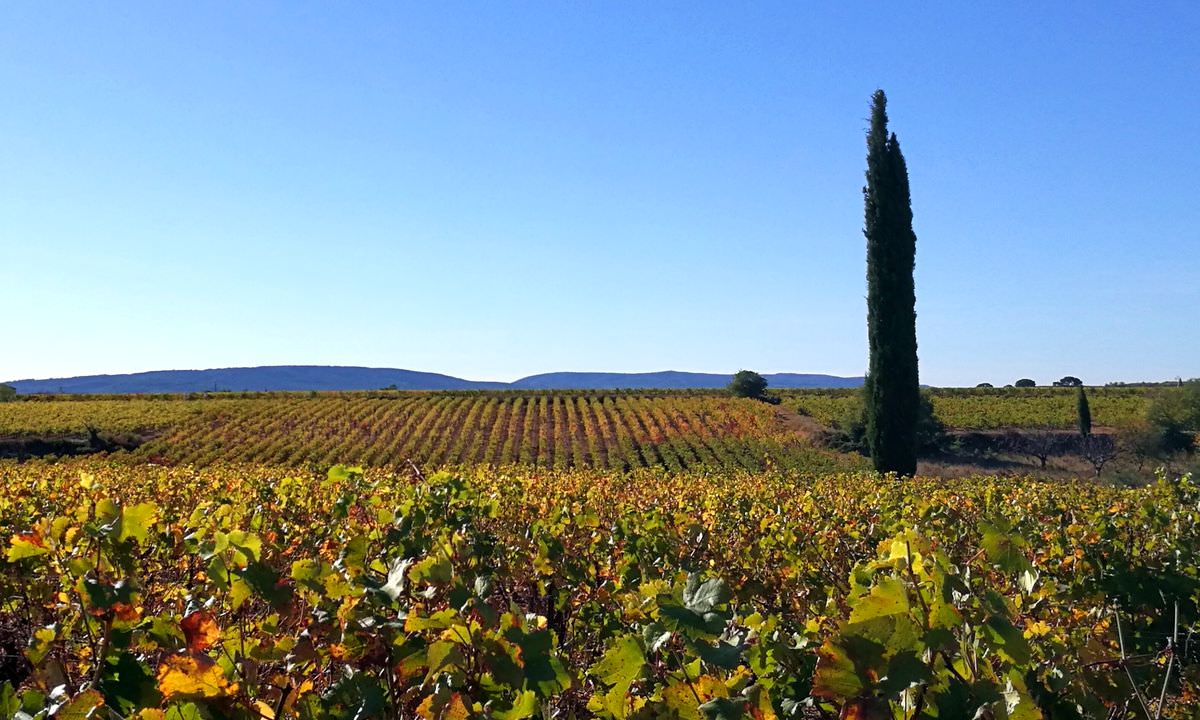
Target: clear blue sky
496 189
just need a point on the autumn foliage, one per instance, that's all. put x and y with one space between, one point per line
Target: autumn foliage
247 591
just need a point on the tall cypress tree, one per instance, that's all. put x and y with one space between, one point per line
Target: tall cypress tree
1084 411
893 393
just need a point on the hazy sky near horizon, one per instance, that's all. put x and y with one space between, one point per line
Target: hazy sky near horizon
494 189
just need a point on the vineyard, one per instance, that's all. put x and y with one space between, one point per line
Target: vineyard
619 431
991 409
244 591
555 430
71 415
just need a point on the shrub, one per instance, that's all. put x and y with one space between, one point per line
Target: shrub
1175 414
850 431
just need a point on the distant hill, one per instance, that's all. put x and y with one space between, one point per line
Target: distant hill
275 377
673 380
324 377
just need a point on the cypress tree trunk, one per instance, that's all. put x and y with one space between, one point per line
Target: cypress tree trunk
1085 413
892 389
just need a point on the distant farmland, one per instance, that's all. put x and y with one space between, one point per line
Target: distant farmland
626 430
619 431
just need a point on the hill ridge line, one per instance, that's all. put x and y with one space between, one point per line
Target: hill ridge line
355 377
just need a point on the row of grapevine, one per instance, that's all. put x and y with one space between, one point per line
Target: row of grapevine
244 592
560 431
977 409
36 417
991 408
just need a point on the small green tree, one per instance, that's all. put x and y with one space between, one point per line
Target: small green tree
1025 383
748 384
1084 411
7 393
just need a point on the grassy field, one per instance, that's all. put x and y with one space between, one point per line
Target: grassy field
253 591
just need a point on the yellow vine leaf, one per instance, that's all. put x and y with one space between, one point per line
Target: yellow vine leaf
26 546
685 698
455 709
81 707
192 676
